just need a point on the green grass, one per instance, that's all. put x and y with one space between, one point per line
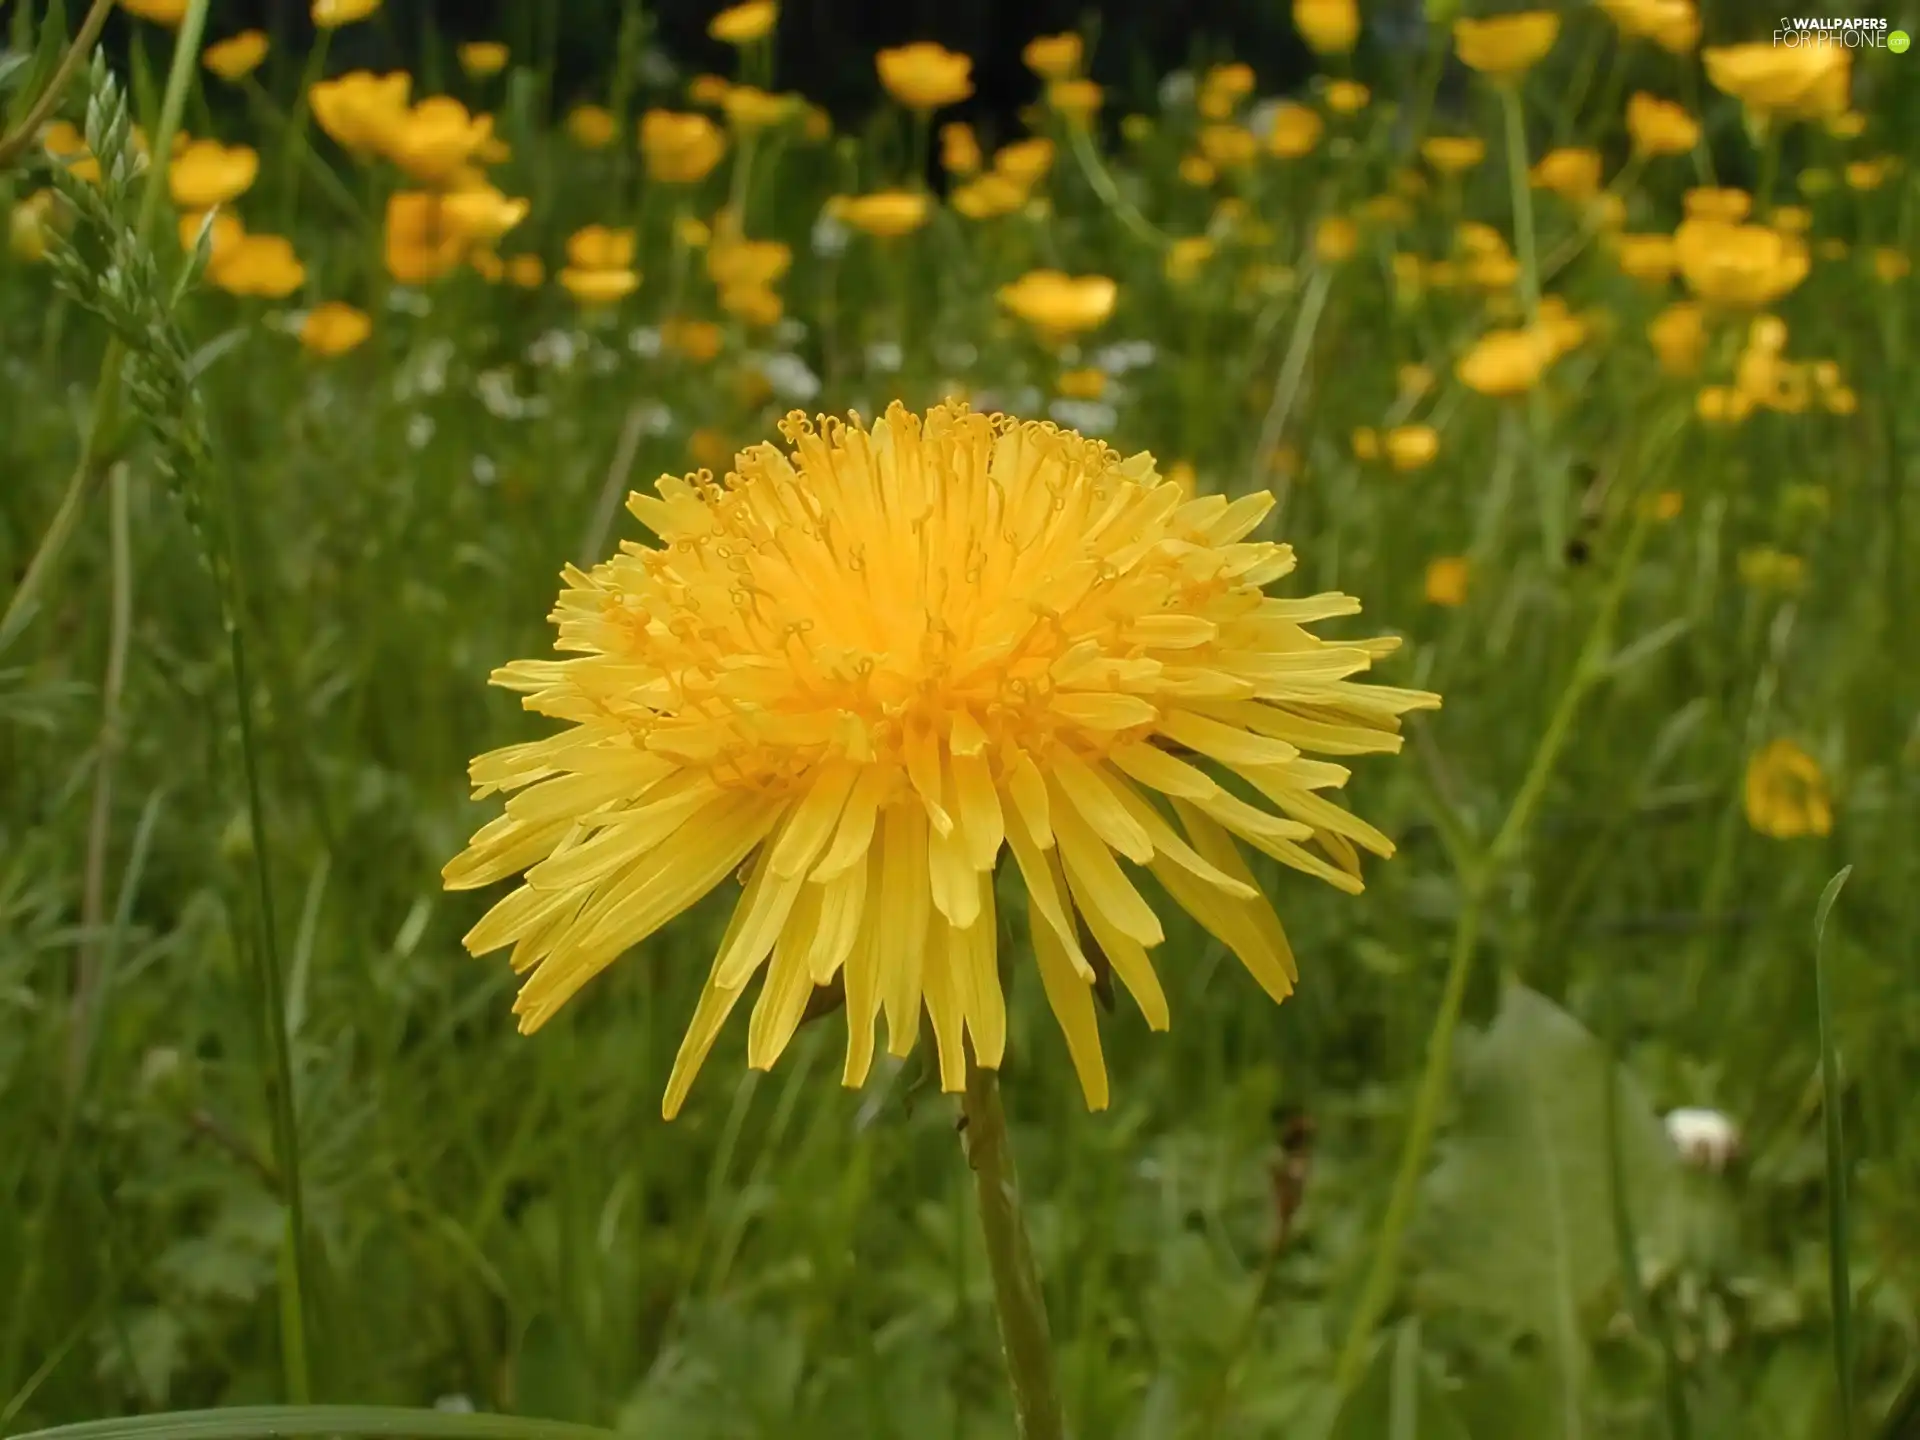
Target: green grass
508 1219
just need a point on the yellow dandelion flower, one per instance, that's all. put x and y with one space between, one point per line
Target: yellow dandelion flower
857 672
1786 795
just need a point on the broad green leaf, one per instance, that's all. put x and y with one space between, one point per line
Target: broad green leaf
1518 1222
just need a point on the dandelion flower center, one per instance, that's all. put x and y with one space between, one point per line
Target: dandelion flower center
859 669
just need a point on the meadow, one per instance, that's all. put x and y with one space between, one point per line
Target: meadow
1574 344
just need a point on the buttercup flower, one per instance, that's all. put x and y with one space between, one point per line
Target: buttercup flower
435 140
1025 162
925 76
331 14
1347 97
1186 255
361 111
680 149
960 152
591 127
161 12
1411 447
744 24
1453 154
1059 305
1078 100
29 226
1572 173
1085 383
334 329
205 173
1660 127
1647 258
1786 794
1505 362
423 241
987 197
1335 239
1028 648
1673 25
223 234
1784 81
1053 57
887 214
236 58
1446 582
749 108
482 58
697 340
743 264
1506 46
1745 266
1296 130
1228 147
600 265
259 265
1329 27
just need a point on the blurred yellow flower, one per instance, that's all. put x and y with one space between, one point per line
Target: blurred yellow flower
879 806
744 24
1347 97
1365 441
225 232
887 214
1647 258
237 57
1233 80
1197 170
1228 147
591 127
436 139
259 265
1673 25
1722 404
1706 203
1660 127
736 264
695 340
1738 265
680 148
63 141
1414 380
362 111
599 287
529 272
959 149
1453 154
987 197
1335 239
925 76
205 173
1296 130
1505 47
750 109
1571 172
1504 362
1329 27
331 14
1078 100
1890 265
1663 505
1792 219
757 305
599 267
1025 162
1054 57
421 241
1848 125
1784 81
1869 174
1446 582
1086 383
483 213
1185 256
1786 795
30 226
710 90
334 329
482 58
1059 305
1411 447
160 12
1764 568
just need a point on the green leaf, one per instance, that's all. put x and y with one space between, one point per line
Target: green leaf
281 1422
1400 1397
1518 1221
551 1376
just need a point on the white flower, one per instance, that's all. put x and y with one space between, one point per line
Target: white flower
644 341
408 302
1125 355
829 236
485 472
790 376
884 356
419 431
1176 89
1706 1139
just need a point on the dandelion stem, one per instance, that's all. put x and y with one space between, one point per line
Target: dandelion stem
1477 883
1017 1299
49 99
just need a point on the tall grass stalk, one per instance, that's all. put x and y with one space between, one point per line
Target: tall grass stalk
1838 1279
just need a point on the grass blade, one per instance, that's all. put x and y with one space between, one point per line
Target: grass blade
259 1422
1837 1277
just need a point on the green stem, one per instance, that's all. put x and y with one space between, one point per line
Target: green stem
1022 1311
1286 385
1095 169
1522 196
1377 1289
1839 1281
49 99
